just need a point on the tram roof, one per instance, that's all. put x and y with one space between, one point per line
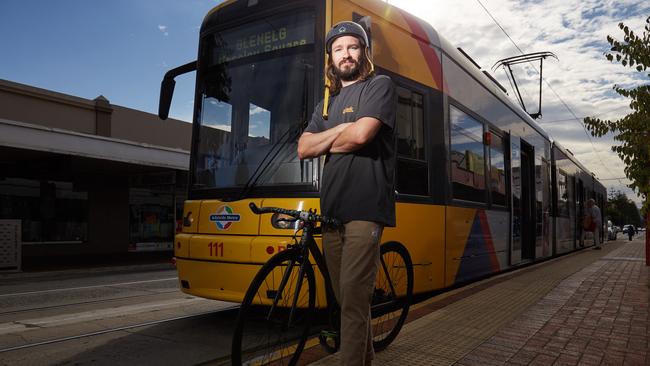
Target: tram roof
477 73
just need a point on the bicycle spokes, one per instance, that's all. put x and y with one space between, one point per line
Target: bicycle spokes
392 294
275 315
277 294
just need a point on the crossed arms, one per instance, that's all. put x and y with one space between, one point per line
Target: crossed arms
343 138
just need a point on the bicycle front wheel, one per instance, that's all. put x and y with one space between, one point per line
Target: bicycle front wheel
274 318
393 293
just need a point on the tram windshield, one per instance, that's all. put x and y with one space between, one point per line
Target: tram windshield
256 92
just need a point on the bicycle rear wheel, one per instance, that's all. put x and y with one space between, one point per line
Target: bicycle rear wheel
393 293
269 328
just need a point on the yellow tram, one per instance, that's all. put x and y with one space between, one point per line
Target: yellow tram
477 183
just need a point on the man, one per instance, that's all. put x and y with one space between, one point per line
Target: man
354 130
596 221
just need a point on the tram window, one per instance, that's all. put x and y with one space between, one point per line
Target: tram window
562 195
216 114
259 125
467 157
215 132
410 126
497 171
412 171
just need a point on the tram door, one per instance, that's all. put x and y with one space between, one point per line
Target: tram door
522 189
580 209
528 201
515 200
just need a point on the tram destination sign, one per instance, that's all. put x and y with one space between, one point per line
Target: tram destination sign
260 37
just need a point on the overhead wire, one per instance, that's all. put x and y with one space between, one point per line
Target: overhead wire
595 115
575 117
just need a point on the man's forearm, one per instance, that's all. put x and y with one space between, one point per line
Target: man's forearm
316 144
345 142
356 136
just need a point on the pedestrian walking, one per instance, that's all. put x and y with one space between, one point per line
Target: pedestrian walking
593 221
631 231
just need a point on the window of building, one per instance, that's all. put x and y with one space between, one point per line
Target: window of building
50 211
467 157
151 216
412 168
497 171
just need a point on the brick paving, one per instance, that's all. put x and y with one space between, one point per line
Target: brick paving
598 316
587 308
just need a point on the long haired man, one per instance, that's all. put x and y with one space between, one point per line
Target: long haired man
354 128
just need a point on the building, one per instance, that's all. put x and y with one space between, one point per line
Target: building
86 177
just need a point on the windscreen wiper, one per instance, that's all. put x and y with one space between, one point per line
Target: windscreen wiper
289 135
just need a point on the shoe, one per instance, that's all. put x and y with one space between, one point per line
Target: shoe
597 248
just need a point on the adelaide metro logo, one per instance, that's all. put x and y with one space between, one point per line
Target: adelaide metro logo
224 217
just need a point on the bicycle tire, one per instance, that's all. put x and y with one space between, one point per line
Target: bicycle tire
261 337
391 301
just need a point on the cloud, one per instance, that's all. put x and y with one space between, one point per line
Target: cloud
163 29
219 126
256 110
576 31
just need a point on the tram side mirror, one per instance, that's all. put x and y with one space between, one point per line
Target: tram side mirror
167 87
166 94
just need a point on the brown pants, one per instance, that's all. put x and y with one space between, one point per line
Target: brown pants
352 256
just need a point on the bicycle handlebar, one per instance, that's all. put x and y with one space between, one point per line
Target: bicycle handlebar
300 215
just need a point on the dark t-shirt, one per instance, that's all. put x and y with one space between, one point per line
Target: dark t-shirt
360 185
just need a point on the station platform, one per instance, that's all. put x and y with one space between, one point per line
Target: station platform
589 307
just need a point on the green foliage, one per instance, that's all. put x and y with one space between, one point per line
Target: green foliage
621 210
633 130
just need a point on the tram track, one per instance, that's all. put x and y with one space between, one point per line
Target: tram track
119 284
112 330
103 301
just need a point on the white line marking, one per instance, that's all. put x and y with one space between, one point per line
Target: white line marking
87 287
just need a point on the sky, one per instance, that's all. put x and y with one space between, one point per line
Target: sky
121 49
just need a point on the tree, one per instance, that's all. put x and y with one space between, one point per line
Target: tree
622 210
633 130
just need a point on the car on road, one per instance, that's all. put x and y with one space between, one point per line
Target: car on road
611 231
627 228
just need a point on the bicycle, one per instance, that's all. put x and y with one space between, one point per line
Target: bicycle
276 315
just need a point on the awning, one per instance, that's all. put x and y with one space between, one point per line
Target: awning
34 137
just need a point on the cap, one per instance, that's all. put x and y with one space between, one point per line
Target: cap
345 28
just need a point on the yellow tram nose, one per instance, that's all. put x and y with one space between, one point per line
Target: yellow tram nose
219 253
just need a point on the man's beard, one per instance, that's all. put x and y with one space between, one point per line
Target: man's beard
352 73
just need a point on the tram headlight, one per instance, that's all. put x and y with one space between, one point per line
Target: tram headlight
282 221
188 220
